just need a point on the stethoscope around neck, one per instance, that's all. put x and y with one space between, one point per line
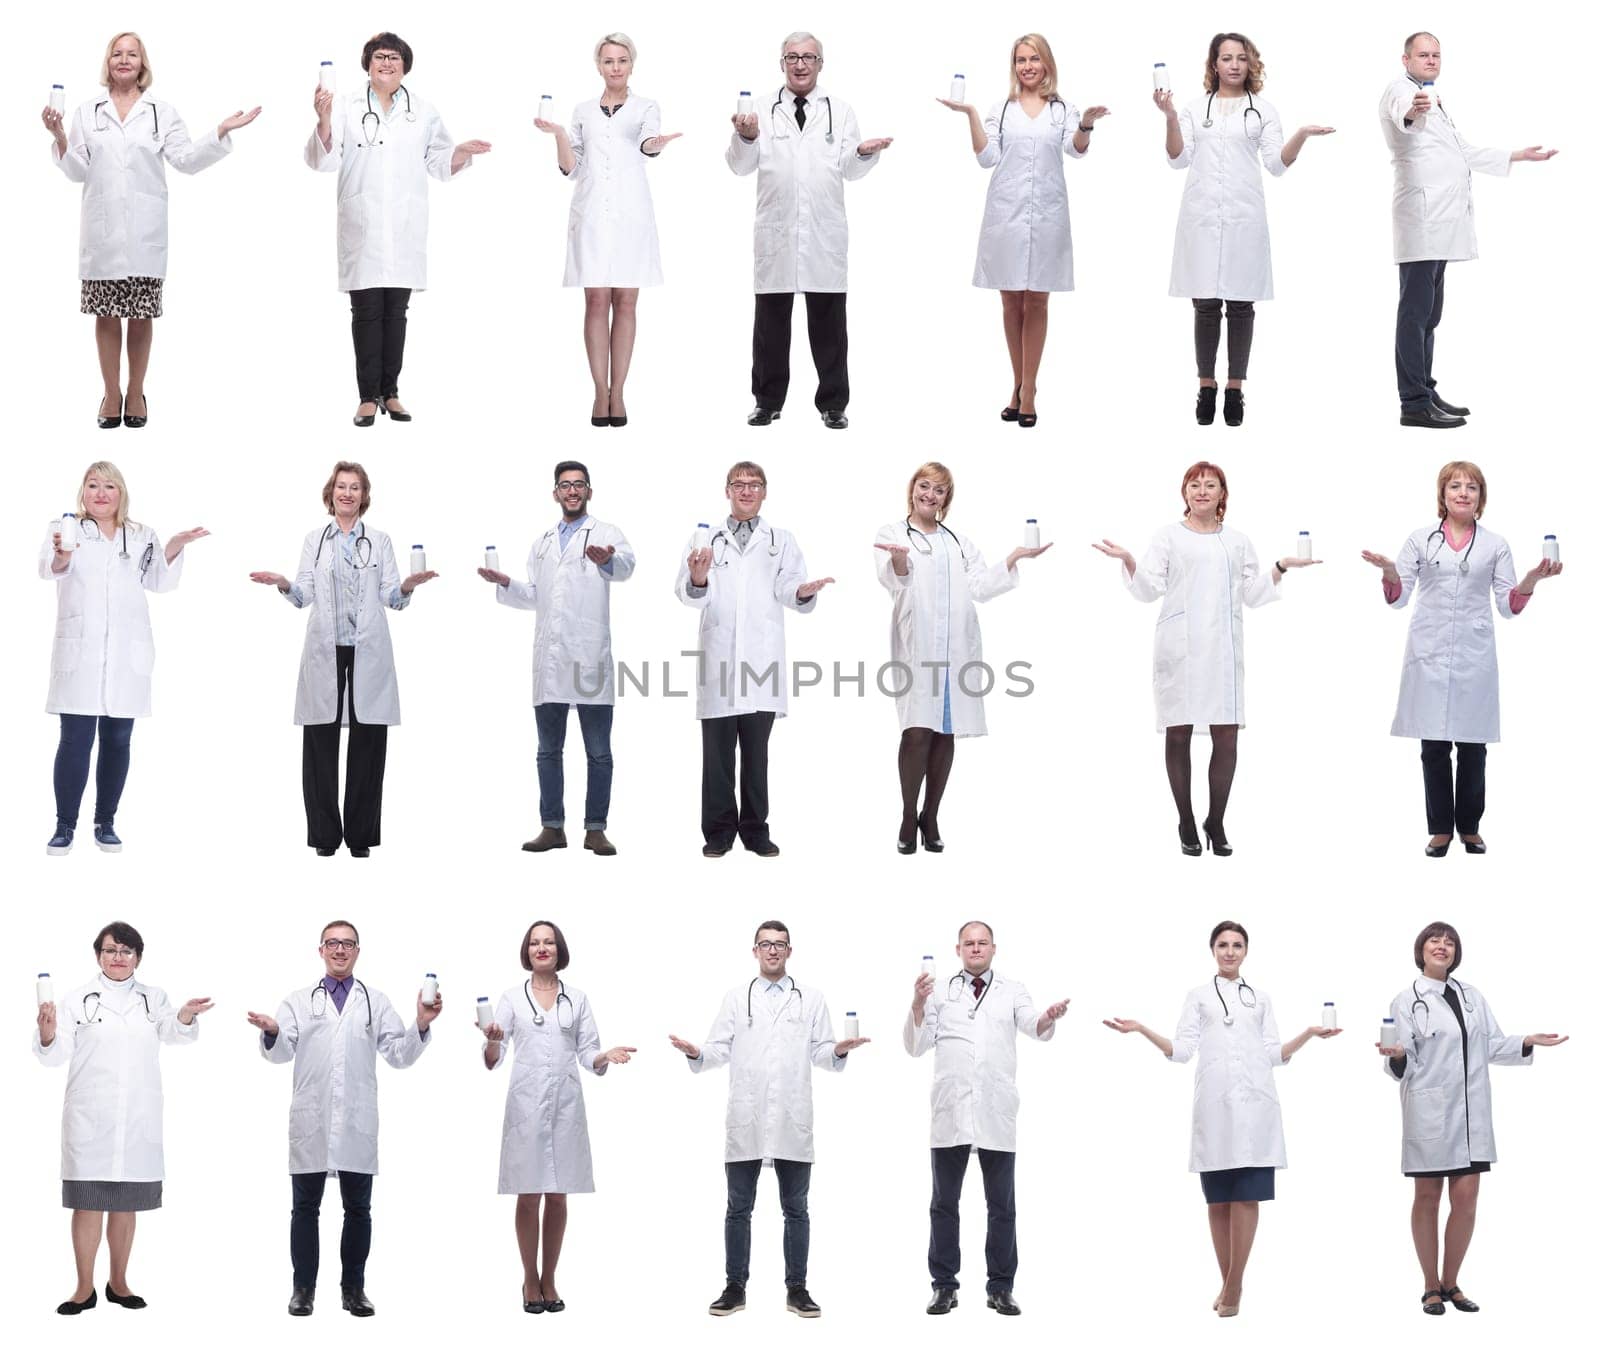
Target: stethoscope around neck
561 997
1434 549
102 121
720 558
362 547
749 1005
374 137
91 1017
957 986
920 544
1417 1000
328 997
1249 107
1246 996
146 559
551 535
1054 104
772 116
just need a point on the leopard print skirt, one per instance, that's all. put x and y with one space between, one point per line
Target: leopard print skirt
133 297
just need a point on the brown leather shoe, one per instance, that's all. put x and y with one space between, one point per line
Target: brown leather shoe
548 839
596 842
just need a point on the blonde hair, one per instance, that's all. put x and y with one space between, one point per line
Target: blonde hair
1462 468
147 76
616 40
1254 78
104 468
750 467
1047 85
935 472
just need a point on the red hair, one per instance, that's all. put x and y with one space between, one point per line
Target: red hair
1198 470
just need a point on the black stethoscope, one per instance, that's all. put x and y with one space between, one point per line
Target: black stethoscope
561 996
1435 548
772 116
155 117
1244 1001
93 1018
919 540
550 535
1250 107
794 992
957 985
1055 103
722 537
146 559
374 136
362 546
328 997
1417 1000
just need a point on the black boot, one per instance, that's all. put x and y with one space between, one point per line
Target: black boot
1205 406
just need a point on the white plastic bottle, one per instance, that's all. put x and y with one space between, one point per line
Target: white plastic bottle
927 967
1163 83
491 558
1302 545
547 108
852 1026
430 990
325 77
747 105
1427 88
46 989
958 89
1030 534
67 528
702 537
58 98
419 559
485 1014
1388 1033
1330 1017
1552 549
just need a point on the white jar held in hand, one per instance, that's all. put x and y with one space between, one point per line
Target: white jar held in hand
325 77
1330 1017
430 990
1163 82
547 108
45 990
66 528
491 558
419 559
852 1026
1302 545
485 1014
1030 534
927 967
747 105
58 98
958 89
702 537
1552 549
1388 1033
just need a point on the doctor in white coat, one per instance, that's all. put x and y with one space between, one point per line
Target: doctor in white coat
348 579
1237 1136
384 143
741 582
1221 254
103 565
544 1143
1450 681
111 1031
771 1033
972 1029
802 148
334 1031
1433 168
571 570
118 150
1447 1039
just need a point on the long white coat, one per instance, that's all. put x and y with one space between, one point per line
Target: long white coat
375 692
974 1060
1237 1121
544 1142
1445 1115
572 600
1025 242
611 233
104 650
123 230
1221 250
111 1117
383 187
801 238
935 621
1450 683
333 1116
770 1053
742 666
1433 167
1203 582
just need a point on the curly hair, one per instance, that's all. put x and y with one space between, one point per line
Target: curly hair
1258 70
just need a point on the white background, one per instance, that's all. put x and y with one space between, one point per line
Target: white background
1059 826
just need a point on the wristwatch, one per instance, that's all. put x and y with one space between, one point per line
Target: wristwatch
1280 567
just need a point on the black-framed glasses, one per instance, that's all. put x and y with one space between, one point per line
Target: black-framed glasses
572 485
387 58
339 944
801 59
746 485
772 946
126 952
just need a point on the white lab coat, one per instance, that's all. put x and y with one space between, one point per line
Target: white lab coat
544 1143
770 1052
572 599
611 233
974 1059
374 690
1221 250
104 650
1203 582
801 238
333 1116
383 186
111 1117
1450 683
1445 1114
123 231
935 621
742 666
1433 167
1237 1121
1025 242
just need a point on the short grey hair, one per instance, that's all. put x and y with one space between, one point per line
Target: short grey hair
794 40
616 40
1412 40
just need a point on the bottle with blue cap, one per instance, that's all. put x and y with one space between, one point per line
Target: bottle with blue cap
1552 549
46 990
58 98
325 77
419 559
65 532
1330 1017
1302 545
1163 81
1030 533
491 558
485 1014
927 967
1427 88
547 108
430 990
958 89
702 536
747 105
1388 1033
852 1026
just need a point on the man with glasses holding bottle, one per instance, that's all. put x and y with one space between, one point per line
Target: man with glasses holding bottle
570 572
805 144
334 1032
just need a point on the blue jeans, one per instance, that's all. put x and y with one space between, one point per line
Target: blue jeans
72 766
1421 307
595 723
794 1184
355 1240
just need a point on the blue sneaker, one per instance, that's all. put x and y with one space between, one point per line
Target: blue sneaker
105 838
60 843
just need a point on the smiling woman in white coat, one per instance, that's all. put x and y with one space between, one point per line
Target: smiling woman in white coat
544 1143
1446 1039
102 564
348 579
118 149
1450 682
1221 254
1025 242
1237 1136
111 1031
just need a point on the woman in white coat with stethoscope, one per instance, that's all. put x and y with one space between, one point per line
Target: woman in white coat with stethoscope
118 150
385 144
1237 1140
1221 254
348 579
1444 1039
544 1143
1204 573
111 1031
103 564
936 579
1025 243
1450 684
611 235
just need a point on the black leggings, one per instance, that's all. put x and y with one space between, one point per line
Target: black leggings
1219 778
1208 335
378 328
925 755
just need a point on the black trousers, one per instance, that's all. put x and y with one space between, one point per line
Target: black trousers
1457 808
944 1213
1208 336
362 826
830 345
378 328
723 815
355 1190
1421 307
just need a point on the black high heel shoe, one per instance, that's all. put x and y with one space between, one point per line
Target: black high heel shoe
1189 849
933 843
1010 414
132 422
108 423
906 846
1216 840
389 412
370 417
1437 849
1475 848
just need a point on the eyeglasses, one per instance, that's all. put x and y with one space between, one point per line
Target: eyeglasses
779 946
387 58
573 485
339 944
801 59
127 953
745 485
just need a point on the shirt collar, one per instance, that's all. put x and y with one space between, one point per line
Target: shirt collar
769 985
1428 985
748 527
988 977
334 985
575 526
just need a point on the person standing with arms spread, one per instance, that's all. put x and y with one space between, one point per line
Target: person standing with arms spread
1433 167
972 1030
805 145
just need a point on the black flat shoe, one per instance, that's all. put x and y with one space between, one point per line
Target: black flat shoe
1437 849
302 1302
835 420
70 1308
765 849
105 424
1010 414
760 416
1189 849
132 422
535 1306
1459 1300
600 421
134 1303
389 412
1431 417
354 1301
1004 1303
1433 1308
932 842
1477 849
944 1302
1205 406
556 1306
617 421
1450 408
1216 840
1233 406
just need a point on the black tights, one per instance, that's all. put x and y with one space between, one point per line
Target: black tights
924 754
1219 777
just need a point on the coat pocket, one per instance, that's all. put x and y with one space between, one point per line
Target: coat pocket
1424 1115
142 656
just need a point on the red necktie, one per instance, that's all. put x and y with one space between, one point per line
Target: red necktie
977 987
